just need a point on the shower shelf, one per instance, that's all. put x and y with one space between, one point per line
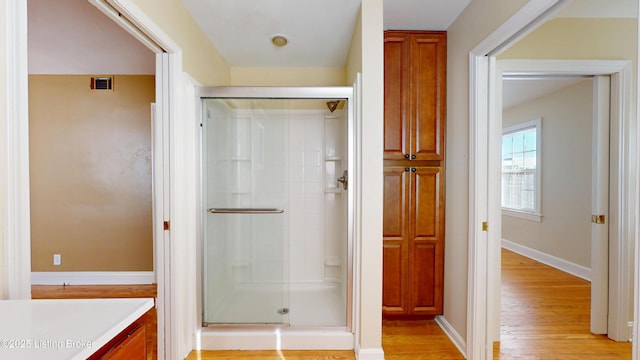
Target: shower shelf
332 158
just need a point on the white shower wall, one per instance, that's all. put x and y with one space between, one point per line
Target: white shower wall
317 233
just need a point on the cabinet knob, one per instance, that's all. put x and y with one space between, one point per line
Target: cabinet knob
413 169
406 169
413 157
406 156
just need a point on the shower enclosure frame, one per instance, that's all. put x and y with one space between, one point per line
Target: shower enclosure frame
294 93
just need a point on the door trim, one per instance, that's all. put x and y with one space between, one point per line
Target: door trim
483 246
16 221
600 174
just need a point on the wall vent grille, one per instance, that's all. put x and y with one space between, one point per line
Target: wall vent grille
102 83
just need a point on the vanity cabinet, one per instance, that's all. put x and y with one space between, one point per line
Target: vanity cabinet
129 344
414 191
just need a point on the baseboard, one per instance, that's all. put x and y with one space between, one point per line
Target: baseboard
560 264
453 335
369 354
92 277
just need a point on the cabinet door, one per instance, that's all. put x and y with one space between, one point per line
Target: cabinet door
426 250
428 94
132 346
396 54
395 242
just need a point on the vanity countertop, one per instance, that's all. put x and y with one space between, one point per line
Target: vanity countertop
64 329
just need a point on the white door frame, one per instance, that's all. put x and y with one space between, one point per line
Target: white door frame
600 174
483 243
484 169
17 280
171 190
16 219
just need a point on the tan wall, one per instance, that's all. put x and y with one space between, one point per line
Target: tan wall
476 22
200 59
565 230
582 38
90 165
354 59
579 38
311 76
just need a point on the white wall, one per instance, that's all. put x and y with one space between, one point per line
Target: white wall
3 150
313 226
74 37
476 22
372 138
565 230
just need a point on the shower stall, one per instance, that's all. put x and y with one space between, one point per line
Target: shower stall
276 217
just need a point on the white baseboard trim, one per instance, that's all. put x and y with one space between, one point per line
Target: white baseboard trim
580 271
369 354
92 277
455 337
267 339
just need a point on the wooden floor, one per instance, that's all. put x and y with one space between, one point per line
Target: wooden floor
545 315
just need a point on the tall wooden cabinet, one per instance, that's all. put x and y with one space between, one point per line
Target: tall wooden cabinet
414 134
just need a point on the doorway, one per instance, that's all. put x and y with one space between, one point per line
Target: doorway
486 135
608 293
168 62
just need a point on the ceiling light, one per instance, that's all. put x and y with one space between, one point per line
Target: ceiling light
279 40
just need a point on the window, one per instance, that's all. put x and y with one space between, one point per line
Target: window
521 170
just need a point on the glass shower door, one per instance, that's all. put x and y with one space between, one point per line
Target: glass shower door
245 274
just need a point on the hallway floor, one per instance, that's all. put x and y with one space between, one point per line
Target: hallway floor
545 315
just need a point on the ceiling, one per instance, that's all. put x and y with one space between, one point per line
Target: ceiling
319 31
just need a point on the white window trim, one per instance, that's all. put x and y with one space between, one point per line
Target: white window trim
526 215
535 215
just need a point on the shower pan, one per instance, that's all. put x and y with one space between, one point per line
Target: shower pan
277 214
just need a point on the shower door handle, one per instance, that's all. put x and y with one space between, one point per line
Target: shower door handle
344 179
245 211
